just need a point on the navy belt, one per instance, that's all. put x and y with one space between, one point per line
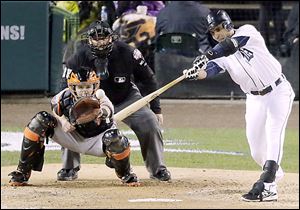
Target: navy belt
267 89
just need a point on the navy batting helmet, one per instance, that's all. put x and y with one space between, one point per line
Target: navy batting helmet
215 18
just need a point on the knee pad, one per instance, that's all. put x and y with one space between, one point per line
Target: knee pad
41 125
115 145
269 171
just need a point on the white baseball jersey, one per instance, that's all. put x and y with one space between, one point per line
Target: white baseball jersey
254 68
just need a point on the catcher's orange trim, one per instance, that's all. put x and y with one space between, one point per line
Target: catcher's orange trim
31 135
122 155
73 79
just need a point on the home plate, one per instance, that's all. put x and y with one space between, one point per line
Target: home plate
154 200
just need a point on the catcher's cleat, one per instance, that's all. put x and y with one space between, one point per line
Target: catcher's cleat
269 193
162 175
19 179
67 174
130 180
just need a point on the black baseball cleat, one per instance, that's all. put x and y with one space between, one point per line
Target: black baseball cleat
130 180
19 179
269 193
67 174
162 175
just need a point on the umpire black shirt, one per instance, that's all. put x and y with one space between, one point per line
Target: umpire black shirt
123 62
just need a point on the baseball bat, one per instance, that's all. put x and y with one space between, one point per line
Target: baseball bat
121 115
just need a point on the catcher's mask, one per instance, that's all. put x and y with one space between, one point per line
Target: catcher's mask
100 38
83 83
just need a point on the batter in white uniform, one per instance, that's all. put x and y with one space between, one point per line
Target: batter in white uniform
243 54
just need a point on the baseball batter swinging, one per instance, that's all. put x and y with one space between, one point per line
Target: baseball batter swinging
243 54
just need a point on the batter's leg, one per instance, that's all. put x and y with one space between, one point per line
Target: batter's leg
256 128
280 106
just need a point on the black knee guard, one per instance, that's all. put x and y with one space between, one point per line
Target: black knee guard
269 171
40 127
43 124
117 149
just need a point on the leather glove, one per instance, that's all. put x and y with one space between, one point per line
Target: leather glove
99 118
85 109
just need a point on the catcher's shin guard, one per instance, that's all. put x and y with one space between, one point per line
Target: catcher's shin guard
269 171
31 158
32 151
117 150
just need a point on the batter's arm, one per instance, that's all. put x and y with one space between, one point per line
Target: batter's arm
227 47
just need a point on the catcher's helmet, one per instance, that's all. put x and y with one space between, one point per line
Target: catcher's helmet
100 38
83 82
218 17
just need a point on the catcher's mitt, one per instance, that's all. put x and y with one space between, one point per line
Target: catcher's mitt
84 110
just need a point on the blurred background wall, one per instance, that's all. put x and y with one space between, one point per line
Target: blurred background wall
36 36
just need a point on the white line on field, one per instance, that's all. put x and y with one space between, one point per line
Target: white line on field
12 141
154 200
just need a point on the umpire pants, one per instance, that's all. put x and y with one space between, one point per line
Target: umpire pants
147 129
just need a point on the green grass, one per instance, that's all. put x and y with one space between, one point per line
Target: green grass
229 140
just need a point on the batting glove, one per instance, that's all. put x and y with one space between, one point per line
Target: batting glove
200 63
191 74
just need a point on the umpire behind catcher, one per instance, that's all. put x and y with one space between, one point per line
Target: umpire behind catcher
118 64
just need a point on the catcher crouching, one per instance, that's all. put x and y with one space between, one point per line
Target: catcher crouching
81 122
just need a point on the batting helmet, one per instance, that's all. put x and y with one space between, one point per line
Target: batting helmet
218 17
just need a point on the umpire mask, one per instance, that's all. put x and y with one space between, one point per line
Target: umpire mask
100 39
